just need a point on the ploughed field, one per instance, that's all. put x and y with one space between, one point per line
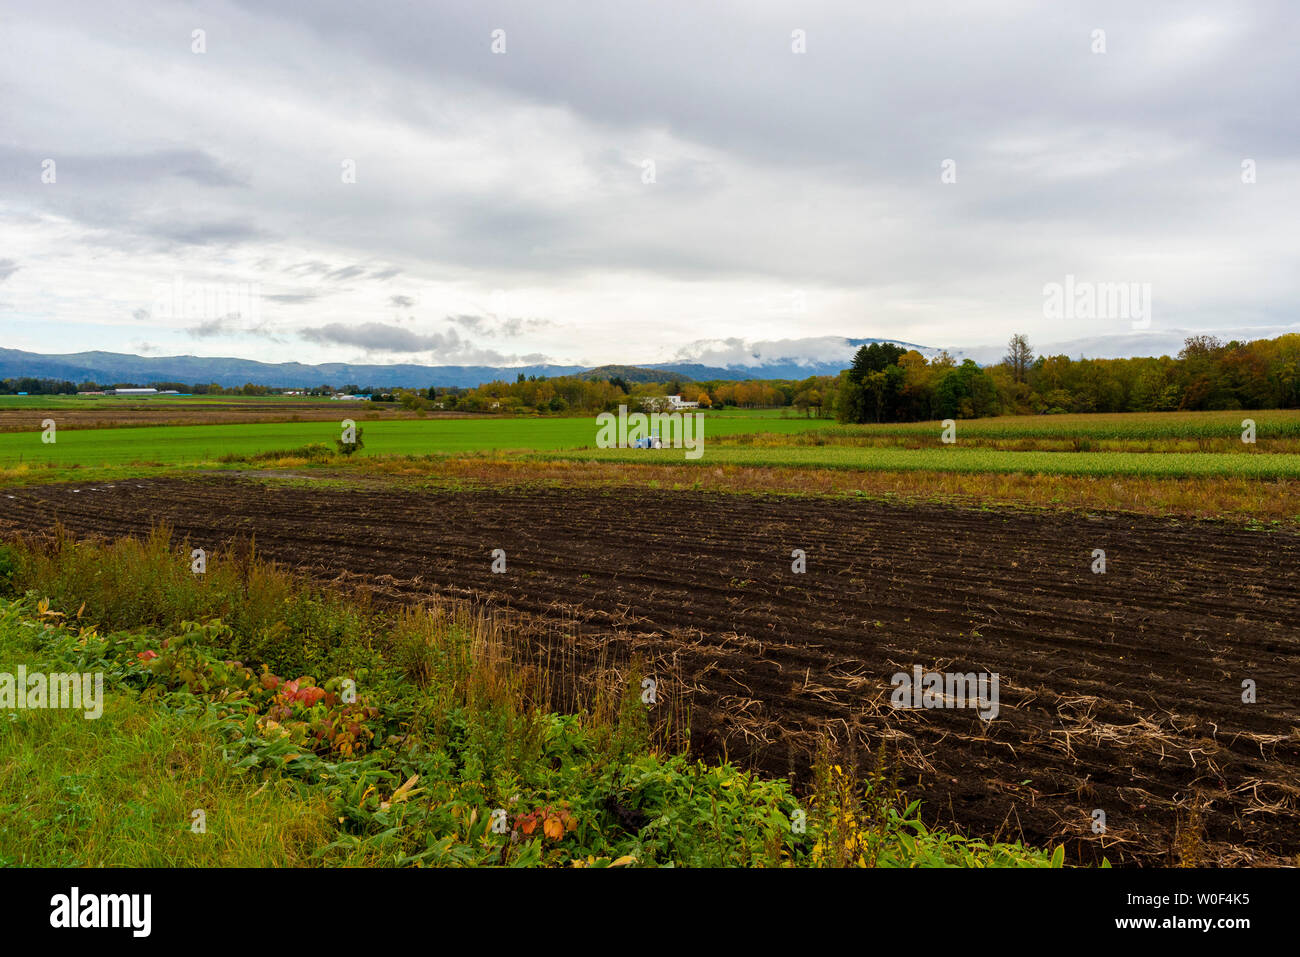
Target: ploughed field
1118 692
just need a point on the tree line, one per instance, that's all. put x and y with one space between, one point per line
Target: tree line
571 394
887 383
33 386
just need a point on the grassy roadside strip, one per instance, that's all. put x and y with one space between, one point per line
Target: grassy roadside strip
425 746
1056 443
1271 465
1166 430
1252 501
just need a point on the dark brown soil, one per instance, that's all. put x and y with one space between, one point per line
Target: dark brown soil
1119 692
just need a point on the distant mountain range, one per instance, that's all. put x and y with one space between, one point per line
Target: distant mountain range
728 359
698 361
110 367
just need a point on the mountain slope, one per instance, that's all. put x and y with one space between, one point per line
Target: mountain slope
110 367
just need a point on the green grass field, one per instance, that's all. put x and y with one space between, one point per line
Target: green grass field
174 445
1160 426
778 440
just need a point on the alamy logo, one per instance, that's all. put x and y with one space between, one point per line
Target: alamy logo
1098 300
80 692
102 910
946 689
207 300
668 430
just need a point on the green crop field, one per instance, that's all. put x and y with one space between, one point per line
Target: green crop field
736 437
172 445
1168 426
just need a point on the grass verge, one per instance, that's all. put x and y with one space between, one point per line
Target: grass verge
1247 500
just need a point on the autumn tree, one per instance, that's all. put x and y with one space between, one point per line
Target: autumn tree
1019 357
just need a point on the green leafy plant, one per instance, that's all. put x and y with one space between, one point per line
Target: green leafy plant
356 445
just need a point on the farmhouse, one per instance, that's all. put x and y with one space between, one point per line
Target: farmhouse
658 403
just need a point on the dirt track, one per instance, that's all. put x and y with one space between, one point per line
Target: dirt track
1118 691
29 420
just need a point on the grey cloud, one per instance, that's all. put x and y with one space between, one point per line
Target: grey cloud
312 268
230 325
142 201
324 270
209 233
380 336
292 298
7 268
492 327
204 170
942 83
401 302
731 80
117 170
447 347
516 327
210 328
472 323
346 272
263 330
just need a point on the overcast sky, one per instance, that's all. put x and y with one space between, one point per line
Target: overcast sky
504 209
